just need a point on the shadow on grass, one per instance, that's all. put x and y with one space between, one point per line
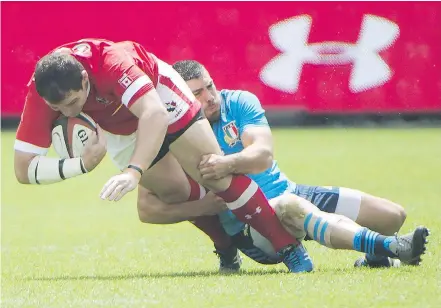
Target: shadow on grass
193 274
154 275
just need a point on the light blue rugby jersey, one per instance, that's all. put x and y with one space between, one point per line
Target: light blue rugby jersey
239 110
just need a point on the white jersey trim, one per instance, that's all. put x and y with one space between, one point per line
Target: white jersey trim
29 148
133 88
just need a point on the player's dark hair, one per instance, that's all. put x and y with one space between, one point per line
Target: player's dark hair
57 74
189 69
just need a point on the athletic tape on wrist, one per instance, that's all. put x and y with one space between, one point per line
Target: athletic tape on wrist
48 170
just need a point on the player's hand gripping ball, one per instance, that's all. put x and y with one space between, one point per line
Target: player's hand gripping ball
79 136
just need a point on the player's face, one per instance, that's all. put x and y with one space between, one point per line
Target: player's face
74 101
205 91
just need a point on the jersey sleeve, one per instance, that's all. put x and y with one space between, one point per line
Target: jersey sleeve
248 111
35 128
124 78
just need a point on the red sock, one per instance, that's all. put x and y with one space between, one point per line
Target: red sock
210 225
249 204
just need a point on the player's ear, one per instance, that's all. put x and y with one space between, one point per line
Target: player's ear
85 78
85 75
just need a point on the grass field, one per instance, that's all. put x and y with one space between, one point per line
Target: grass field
64 247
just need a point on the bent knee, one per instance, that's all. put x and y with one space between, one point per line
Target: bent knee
400 215
146 210
396 214
383 214
395 218
290 205
291 211
144 217
143 211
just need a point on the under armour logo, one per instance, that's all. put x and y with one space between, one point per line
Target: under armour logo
258 210
291 38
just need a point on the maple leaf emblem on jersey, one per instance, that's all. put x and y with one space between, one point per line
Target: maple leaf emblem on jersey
171 106
125 81
81 49
231 133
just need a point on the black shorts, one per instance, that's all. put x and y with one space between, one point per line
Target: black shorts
170 138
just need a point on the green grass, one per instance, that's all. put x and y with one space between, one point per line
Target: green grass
64 247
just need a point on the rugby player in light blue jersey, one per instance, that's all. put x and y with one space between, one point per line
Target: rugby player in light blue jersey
336 217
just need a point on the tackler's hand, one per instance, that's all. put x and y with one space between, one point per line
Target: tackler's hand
214 166
213 204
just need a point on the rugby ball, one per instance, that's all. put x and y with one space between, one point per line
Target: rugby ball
70 134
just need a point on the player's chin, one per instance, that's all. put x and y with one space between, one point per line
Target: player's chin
72 114
213 115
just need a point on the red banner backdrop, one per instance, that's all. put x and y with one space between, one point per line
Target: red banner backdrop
321 57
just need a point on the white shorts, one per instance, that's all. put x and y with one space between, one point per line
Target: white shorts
120 148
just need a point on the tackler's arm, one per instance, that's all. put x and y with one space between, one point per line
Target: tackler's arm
154 211
257 155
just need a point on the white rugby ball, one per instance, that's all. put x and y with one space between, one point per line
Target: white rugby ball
70 134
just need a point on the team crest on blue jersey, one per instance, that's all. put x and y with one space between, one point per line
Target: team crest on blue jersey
231 133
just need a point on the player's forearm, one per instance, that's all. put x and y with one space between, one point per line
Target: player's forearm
251 160
47 170
154 211
152 127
